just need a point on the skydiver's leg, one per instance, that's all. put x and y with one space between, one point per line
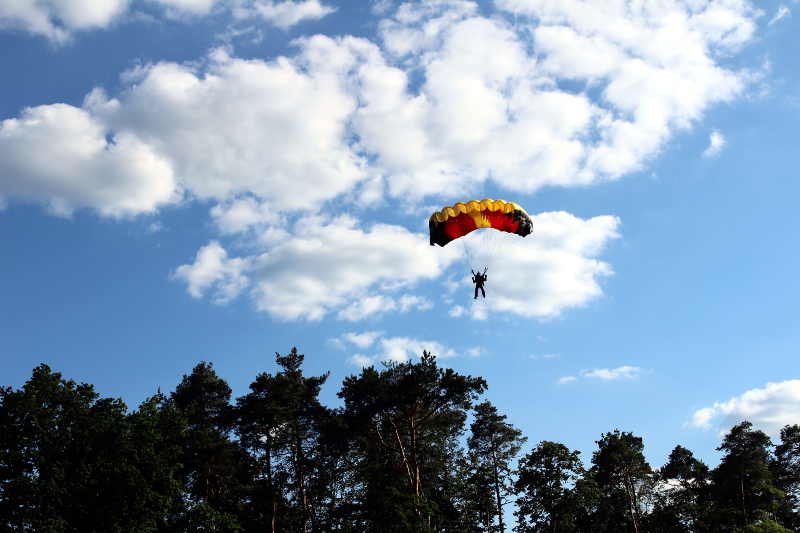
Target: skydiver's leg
482 292
476 292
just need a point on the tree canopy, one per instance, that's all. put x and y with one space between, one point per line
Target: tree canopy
414 447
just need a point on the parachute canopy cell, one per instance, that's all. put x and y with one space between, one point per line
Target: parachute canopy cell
456 221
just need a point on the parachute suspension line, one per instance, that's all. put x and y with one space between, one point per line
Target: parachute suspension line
479 249
492 219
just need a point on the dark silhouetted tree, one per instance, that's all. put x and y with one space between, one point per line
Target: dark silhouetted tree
681 494
625 481
493 445
743 491
215 470
786 474
401 415
547 500
279 423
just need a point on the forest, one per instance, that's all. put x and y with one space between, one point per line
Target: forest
414 447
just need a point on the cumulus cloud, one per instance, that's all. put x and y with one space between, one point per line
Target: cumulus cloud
625 372
377 305
335 265
393 349
272 131
188 7
457 311
554 269
362 340
400 350
716 142
288 13
242 214
321 266
489 108
56 19
447 101
345 118
769 409
213 269
64 157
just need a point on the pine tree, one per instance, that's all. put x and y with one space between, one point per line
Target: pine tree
545 484
786 473
401 414
494 444
624 478
681 494
215 469
743 485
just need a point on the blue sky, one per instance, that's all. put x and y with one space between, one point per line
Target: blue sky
217 180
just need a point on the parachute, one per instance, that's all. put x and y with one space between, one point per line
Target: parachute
462 218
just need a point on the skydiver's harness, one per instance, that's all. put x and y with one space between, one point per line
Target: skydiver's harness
479 279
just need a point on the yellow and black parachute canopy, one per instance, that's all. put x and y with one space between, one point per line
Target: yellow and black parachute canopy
457 220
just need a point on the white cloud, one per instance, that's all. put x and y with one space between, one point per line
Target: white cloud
85 164
539 276
381 7
57 19
343 118
361 360
362 340
716 142
456 311
769 409
475 351
274 130
613 374
288 13
451 101
605 374
335 265
188 7
239 215
489 109
408 302
782 13
213 269
377 305
402 349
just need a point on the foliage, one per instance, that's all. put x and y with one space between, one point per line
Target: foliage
548 498
397 456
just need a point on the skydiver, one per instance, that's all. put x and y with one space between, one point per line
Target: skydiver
479 279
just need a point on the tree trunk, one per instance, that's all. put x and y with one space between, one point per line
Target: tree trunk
631 493
741 491
500 524
299 461
273 501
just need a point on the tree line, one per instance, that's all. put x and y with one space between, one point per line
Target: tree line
412 449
